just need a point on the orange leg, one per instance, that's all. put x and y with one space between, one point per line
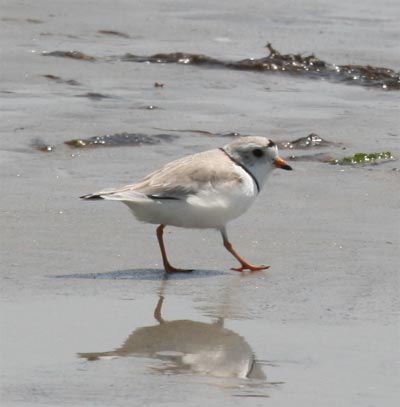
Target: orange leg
244 264
167 265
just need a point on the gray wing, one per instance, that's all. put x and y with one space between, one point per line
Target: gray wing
178 179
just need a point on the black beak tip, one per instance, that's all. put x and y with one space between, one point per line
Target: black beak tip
287 167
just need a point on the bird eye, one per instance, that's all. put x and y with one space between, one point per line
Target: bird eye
257 152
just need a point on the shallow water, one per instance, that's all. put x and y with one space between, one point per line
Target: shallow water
320 327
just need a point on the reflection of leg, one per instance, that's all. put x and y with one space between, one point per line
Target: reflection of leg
167 266
157 311
244 264
219 322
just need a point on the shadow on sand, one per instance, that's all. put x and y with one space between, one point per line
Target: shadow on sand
143 274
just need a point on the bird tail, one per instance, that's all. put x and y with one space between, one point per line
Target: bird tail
123 194
91 196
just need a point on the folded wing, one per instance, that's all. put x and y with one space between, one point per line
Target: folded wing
177 179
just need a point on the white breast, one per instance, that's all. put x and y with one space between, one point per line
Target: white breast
212 207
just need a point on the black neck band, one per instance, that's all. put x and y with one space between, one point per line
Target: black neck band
243 167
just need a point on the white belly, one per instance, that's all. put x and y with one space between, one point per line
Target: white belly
211 208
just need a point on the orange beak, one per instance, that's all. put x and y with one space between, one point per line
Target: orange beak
278 162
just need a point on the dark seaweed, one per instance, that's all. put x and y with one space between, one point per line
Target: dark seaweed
120 139
312 140
309 66
34 21
57 79
70 54
94 96
294 64
113 33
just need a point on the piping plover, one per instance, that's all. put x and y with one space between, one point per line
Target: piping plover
204 191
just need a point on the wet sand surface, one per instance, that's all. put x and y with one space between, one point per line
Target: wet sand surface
88 317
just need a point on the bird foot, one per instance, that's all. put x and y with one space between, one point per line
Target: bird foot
249 267
170 269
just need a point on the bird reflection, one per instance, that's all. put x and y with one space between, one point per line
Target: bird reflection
198 347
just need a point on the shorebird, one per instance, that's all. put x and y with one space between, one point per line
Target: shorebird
203 191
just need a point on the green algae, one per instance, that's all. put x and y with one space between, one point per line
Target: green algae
363 158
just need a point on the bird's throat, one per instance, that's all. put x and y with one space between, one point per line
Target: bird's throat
243 167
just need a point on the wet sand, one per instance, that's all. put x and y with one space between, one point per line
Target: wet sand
87 317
